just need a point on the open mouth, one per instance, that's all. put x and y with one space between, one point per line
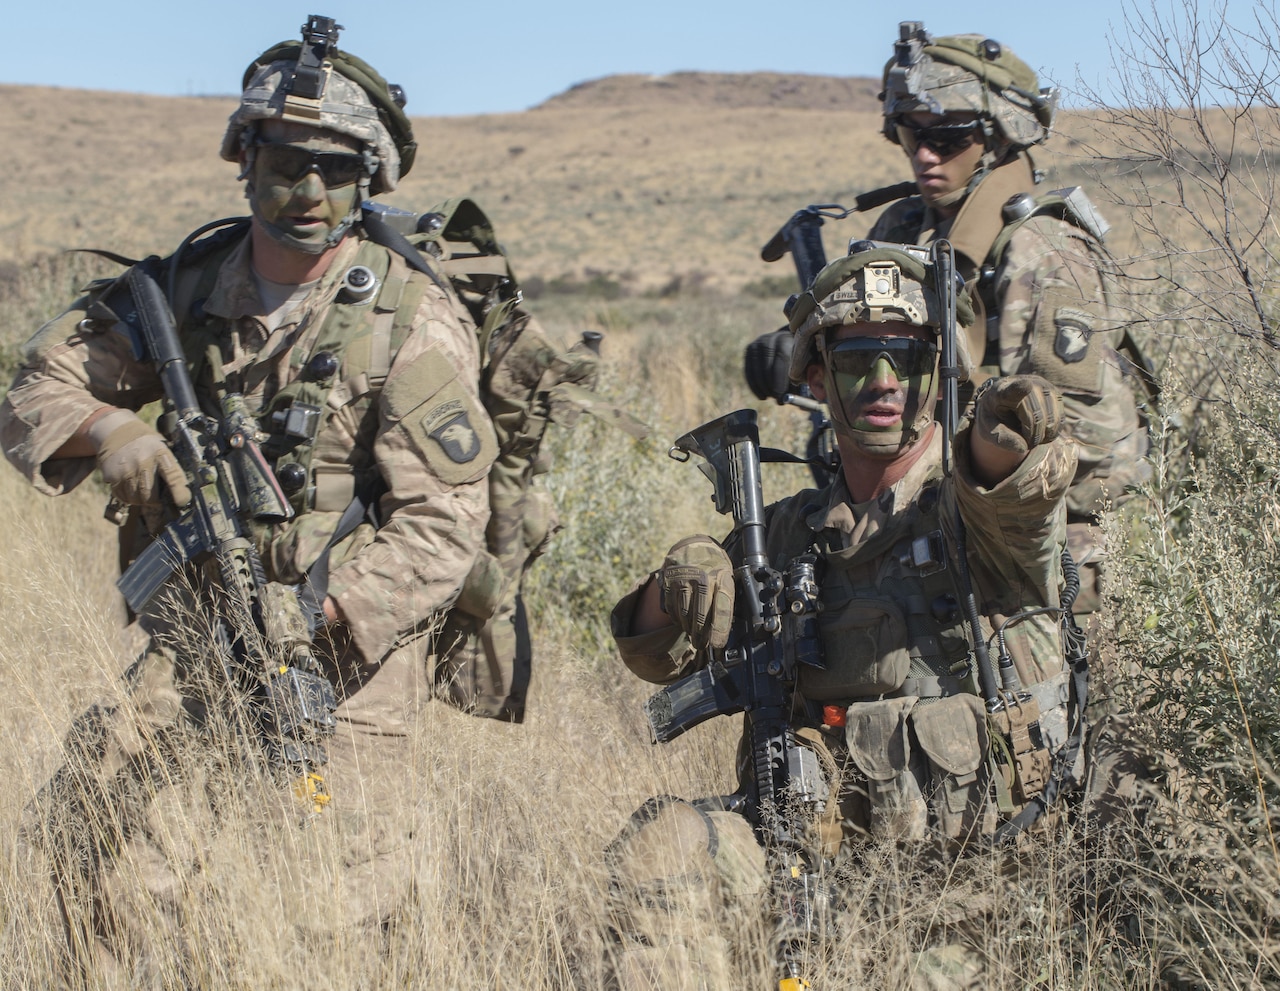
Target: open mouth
880 415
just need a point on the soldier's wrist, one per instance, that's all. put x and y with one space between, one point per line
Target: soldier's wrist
103 423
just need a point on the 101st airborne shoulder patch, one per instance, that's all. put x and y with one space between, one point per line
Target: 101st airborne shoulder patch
450 427
1063 348
1073 330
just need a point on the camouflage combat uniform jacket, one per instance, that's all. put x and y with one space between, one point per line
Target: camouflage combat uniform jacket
391 583
1053 319
892 633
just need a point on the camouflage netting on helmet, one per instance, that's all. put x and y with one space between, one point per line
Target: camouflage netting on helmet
884 284
356 101
974 74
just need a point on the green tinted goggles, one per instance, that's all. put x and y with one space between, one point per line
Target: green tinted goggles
293 163
908 357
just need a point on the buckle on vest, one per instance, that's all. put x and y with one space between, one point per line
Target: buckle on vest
927 554
299 420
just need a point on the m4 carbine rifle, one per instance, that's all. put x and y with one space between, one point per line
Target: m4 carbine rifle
774 631
261 634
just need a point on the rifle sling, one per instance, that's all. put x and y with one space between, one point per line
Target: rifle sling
777 456
316 584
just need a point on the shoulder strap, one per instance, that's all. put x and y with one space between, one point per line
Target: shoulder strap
1071 205
381 232
981 218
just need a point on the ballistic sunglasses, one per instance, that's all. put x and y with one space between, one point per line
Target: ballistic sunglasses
944 140
857 356
293 162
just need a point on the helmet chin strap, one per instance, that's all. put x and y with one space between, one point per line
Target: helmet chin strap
881 443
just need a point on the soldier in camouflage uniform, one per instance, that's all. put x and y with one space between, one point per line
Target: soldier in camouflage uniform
967 112
897 706
391 381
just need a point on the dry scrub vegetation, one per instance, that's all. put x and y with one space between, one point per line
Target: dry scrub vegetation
645 222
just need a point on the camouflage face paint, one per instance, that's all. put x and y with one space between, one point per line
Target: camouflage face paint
288 189
881 389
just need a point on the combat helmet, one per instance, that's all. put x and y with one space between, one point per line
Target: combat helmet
877 282
966 72
312 82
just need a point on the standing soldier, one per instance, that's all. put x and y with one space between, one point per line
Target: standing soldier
967 112
359 365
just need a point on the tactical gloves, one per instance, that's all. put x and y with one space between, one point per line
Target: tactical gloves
1018 412
697 590
135 459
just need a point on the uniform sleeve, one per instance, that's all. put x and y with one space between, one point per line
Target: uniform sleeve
1017 527
1056 321
434 449
69 371
660 656
1015 532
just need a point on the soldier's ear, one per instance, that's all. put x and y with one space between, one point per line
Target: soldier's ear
816 377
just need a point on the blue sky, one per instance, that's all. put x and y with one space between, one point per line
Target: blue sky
484 56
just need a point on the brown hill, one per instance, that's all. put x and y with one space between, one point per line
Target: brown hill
587 185
783 90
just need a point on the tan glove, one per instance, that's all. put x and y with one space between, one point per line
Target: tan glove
135 459
1018 412
697 590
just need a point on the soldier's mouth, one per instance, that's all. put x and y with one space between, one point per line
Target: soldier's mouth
881 415
302 223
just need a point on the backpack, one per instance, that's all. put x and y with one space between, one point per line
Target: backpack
528 381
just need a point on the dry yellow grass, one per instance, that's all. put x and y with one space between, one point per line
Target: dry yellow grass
510 875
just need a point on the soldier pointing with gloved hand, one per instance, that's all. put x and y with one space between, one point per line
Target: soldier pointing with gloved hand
944 697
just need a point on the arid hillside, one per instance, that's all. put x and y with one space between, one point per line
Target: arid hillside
775 90
641 180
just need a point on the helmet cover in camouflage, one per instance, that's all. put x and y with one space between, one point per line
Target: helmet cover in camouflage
966 73
875 283
355 101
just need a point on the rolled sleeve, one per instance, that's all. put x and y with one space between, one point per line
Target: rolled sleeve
69 372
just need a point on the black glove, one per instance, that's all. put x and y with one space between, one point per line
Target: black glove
766 363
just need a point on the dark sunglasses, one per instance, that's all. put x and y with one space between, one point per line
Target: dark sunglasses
293 163
943 140
857 356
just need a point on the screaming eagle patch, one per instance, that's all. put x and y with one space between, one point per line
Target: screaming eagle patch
449 426
1072 330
